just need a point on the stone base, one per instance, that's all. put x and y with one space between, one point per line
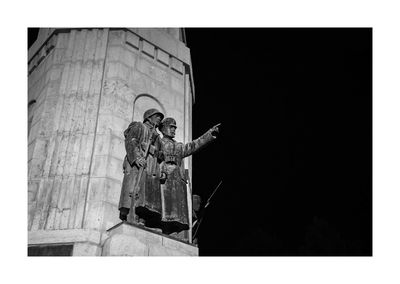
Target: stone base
85 242
130 240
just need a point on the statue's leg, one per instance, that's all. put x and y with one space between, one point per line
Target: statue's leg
125 200
126 203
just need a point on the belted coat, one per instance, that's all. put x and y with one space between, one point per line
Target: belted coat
175 214
145 202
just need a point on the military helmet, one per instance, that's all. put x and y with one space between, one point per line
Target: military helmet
169 121
151 112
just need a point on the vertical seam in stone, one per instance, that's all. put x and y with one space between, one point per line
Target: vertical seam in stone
45 208
188 187
184 108
87 130
97 120
85 74
48 201
85 93
73 137
68 125
135 66
57 130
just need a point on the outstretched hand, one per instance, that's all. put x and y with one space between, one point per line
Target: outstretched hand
215 129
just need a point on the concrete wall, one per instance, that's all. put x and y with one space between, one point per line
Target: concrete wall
128 240
85 87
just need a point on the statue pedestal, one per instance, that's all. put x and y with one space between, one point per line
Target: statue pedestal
129 240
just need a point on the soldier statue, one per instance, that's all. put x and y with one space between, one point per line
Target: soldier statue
173 179
140 200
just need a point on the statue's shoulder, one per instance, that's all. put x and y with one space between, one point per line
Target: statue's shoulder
136 123
134 126
168 141
179 146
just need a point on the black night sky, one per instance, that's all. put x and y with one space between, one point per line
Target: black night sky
295 147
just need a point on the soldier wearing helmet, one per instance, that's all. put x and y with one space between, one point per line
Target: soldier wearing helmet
175 215
140 200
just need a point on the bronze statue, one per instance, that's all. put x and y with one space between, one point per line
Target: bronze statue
140 200
174 215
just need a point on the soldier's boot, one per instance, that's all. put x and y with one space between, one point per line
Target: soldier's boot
123 213
139 221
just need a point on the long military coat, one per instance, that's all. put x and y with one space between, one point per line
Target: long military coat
146 201
175 214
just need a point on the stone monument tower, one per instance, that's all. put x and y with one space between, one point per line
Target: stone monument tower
85 87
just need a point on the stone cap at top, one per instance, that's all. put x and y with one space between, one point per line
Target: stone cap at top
162 40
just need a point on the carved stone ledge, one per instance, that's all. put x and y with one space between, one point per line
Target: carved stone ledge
126 239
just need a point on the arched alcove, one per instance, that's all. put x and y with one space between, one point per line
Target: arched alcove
144 102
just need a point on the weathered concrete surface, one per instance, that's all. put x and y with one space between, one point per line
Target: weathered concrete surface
84 88
165 39
85 242
64 236
66 86
129 240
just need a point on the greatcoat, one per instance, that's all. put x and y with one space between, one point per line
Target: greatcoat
175 215
145 202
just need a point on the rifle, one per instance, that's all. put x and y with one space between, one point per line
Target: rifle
146 153
203 211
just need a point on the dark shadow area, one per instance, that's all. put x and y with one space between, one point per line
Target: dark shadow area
295 149
32 36
53 250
